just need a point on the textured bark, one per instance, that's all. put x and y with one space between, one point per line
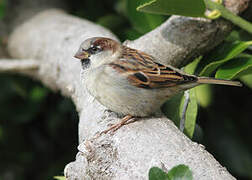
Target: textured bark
52 37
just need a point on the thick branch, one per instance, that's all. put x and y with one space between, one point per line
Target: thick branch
21 66
181 39
52 37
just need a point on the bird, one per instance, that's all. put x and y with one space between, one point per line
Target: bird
130 82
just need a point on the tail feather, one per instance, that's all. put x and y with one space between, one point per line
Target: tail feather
207 80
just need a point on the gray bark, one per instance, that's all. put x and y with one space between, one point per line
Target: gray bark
50 40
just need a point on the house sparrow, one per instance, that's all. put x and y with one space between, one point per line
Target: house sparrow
131 82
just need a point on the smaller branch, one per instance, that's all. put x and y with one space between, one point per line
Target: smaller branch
225 13
183 116
18 65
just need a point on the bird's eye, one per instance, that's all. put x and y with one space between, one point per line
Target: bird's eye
94 49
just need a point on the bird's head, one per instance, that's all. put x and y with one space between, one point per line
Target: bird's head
97 51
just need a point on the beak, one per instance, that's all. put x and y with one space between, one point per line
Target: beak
82 55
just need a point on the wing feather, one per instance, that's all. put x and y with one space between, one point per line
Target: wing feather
142 71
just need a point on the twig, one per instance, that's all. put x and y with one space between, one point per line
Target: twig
183 115
18 65
225 13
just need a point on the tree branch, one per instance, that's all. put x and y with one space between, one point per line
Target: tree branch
21 66
18 65
52 37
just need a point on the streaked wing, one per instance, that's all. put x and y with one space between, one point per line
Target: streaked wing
142 71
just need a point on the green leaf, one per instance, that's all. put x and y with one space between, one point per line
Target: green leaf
233 36
247 79
180 172
221 55
235 68
59 177
191 113
193 8
156 173
171 108
141 21
245 36
204 95
190 68
192 108
239 35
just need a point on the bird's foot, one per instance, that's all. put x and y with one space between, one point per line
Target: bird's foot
116 126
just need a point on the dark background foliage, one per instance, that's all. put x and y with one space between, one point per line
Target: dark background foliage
39 128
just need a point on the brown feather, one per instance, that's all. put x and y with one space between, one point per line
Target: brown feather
106 44
142 70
